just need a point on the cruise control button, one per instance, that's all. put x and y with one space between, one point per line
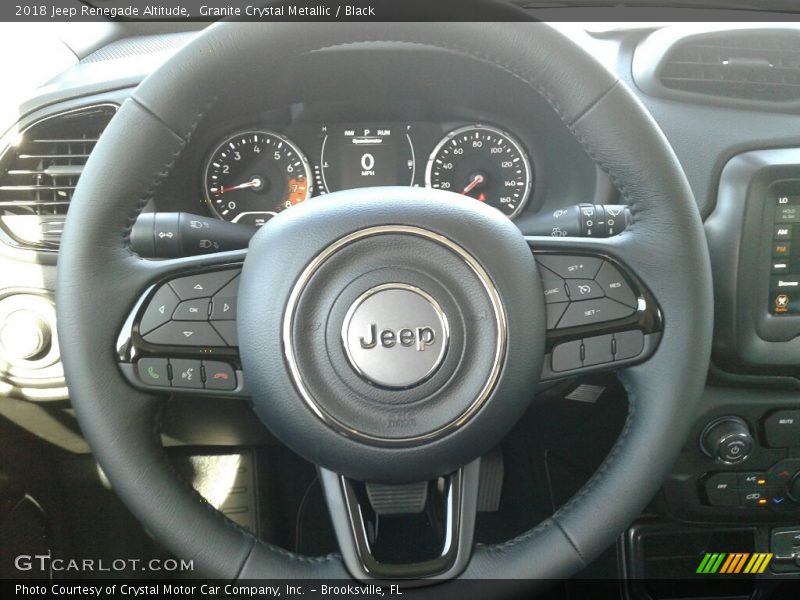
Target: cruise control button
597 350
202 285
628 344
567 356
186 373
227 329
589 312
185 333
223 308
154 371
159 309
554 312
219 375
571 267
554 288
584 289
615 286
192 310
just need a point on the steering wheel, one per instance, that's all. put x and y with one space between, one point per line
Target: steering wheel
406 332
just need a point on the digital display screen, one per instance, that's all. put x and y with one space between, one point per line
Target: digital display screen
363 156
784 293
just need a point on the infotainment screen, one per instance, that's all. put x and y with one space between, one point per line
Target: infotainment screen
784 294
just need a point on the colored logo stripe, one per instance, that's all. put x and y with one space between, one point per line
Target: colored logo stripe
737 562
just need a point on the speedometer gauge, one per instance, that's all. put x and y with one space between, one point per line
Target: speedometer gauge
483 163
253 175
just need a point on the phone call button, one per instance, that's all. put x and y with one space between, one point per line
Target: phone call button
219 376
153 371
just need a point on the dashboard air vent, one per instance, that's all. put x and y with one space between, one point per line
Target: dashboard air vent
750 65
40 169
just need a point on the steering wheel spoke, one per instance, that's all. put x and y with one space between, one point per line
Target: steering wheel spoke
180 337
600 315
420 531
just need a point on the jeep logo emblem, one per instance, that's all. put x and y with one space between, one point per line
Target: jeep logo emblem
395 335
421 337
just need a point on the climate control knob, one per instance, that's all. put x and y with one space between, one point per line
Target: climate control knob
728 440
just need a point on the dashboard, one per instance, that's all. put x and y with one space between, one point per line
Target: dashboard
253 174
246 162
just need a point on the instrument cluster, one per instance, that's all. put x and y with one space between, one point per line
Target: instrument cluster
252 174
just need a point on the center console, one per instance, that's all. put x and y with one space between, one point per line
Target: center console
735 487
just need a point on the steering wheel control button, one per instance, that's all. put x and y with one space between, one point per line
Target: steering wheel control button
590 312
597 350
159 309
727 439
554 313
185 333
782 429
192 310
584 289
395 335
571 267
615 286
202 285
219 376
227 330
223 308
554 288
628 344
186 373
567 356
154 371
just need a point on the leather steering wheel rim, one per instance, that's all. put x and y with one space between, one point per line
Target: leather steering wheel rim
665 247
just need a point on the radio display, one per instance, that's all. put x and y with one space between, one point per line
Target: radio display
784 294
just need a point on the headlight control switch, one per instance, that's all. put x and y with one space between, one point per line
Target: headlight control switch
727 439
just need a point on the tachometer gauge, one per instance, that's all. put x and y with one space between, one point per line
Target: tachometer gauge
253 175
484 163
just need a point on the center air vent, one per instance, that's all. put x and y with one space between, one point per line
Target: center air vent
40 169
745 65
755 66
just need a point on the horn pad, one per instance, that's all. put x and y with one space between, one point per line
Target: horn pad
390 322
